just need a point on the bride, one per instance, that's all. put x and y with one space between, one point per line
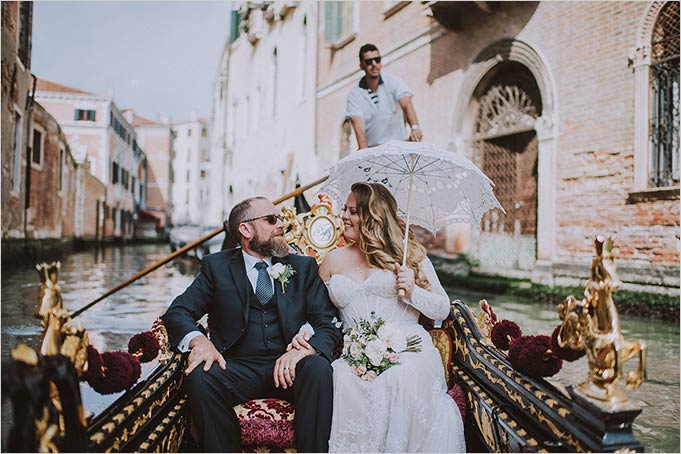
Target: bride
405 408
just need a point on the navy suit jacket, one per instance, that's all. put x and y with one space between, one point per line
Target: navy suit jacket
223 290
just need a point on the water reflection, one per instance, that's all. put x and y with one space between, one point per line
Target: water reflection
111 323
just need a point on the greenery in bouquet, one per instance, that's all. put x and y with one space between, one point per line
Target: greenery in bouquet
371 347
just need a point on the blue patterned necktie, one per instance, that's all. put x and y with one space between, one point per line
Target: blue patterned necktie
263 286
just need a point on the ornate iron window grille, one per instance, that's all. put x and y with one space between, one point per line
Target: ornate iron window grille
665 103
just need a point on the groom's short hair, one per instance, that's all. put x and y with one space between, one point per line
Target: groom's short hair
239 212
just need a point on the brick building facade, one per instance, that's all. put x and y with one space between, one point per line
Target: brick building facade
52 182
550 100
98 132
42 191
15 115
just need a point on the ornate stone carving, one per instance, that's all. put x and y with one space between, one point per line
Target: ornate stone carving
639 56
505 109
545 126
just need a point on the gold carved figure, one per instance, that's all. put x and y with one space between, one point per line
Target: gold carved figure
593 324
60 336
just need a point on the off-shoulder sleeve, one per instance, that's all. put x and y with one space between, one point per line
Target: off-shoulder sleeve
434 302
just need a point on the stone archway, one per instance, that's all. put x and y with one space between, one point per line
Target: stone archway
505 148
512 73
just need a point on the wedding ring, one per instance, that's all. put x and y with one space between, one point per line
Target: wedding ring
285 368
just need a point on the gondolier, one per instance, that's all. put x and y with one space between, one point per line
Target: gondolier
375 106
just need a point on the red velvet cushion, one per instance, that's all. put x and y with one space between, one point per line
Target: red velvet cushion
266 423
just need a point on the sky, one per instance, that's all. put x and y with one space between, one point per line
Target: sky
159 57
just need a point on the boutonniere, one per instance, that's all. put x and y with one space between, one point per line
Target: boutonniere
282 273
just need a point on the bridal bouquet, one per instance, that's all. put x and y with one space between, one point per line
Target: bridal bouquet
371 347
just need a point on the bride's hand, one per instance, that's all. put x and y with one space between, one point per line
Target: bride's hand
299 341
405 279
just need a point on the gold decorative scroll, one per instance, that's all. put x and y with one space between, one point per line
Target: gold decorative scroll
315 233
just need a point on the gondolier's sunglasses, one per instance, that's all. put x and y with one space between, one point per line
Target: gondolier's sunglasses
271 218
369 61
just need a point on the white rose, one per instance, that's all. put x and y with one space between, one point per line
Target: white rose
399 343
355 350
393 337
361 369
276 270
374 351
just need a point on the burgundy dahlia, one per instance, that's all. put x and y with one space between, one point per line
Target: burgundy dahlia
459 396
94 365
117 374
144 346
503 332
136 370
529 355
566 353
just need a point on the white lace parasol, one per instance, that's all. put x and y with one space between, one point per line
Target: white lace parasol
444 188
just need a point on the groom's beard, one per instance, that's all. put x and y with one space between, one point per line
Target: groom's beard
275 246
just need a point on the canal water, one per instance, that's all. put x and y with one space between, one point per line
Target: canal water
86 275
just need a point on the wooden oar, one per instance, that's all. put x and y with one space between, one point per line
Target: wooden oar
185 248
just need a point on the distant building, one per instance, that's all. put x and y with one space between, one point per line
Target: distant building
99 133
156 138
264 102
220 191
190 171
48 198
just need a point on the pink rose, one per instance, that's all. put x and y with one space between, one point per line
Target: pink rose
370 376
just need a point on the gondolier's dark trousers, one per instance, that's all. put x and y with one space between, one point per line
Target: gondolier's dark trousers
212 395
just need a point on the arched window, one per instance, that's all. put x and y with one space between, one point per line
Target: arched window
664 75
656 98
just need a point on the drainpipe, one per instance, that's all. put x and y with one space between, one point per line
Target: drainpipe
29 119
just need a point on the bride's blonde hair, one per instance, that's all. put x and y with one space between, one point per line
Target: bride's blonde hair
381 231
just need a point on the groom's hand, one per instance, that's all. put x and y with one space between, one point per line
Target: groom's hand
203 351
285 367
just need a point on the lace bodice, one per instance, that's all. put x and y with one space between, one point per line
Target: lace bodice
405 409
378 294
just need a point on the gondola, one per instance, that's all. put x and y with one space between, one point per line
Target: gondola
506 407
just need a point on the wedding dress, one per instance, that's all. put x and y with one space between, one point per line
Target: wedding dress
406 408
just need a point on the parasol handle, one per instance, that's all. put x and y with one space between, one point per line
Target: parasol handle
400 292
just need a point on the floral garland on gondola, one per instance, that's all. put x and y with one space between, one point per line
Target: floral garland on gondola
111 372
536 356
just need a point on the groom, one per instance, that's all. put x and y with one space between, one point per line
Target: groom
252 317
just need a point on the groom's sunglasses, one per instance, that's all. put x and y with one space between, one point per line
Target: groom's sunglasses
271 218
